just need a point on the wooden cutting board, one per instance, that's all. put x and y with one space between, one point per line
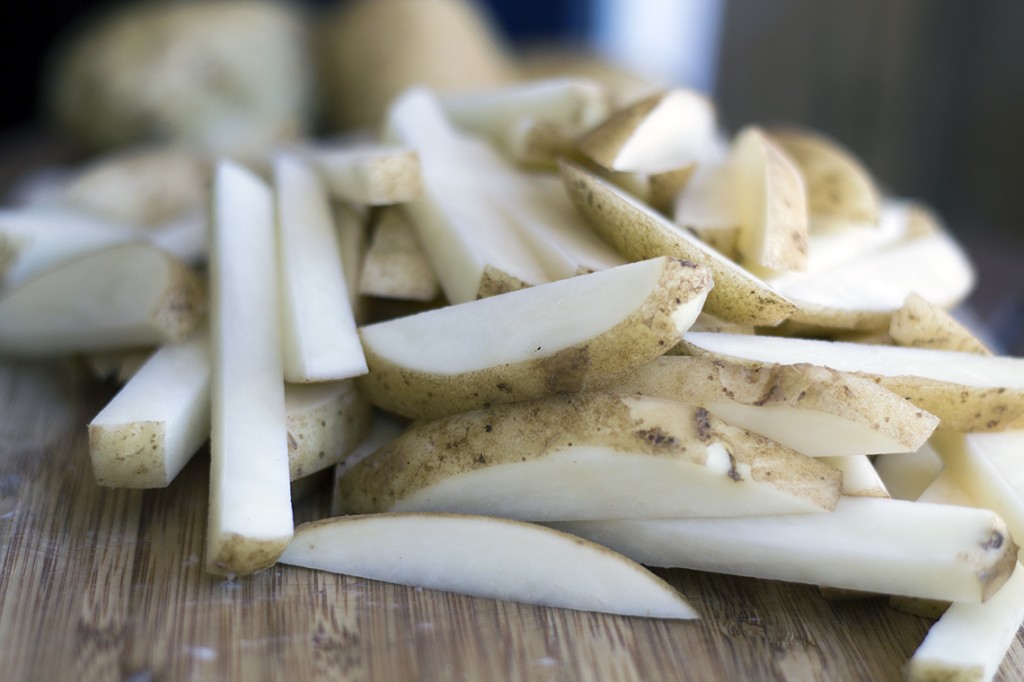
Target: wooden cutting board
104 584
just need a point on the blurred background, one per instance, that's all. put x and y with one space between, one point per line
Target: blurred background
929 93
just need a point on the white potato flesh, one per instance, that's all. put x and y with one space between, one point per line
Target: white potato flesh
673 129
866 543
948 488
474 248
36 238
772 203
320 341
128 296
325 422
907 474
148 432
969 641
395 264
560 337
707 205
187 236
370 175
250 521
485 557
859 476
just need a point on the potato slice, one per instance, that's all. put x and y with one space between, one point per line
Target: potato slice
122 297
319 337
867 543
531 343
250 520
639 232
370 175
772 203
920 324
396 265
148 432
325 423
968 392
969 641
485 557
839 187
588 456
670 130
907 474
813 410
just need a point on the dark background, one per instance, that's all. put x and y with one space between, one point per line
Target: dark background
930 93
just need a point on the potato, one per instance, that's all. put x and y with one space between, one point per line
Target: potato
370 51
561 337
325 422
232 77
588 456
370 175
395 265
485 557
920 324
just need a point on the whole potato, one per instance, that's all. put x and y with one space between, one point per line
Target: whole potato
228 76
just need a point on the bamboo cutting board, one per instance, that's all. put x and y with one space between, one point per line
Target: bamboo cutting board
104 584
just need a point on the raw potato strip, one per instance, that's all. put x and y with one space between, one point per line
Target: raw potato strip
588 456
157 421
36 238
969 641
866 543
816 411
369 175
667 131
859 476
349 224
250 520
127 296
325 422
475 250
485 557
907 474
395 265
920 324
319 337
839 187
968 392
638 232
772 201
560 337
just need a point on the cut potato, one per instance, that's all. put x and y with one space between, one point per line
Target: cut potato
526 344
123 297
839 187
667 131
119 365
319 337
349 224
708 208
639 232
968 392
859 476
475 249
588 456
370 175
485 557
325 423
920 324
395 265
157 421
969 641
867 543
772 203
811 409
659 190
907 474
250 518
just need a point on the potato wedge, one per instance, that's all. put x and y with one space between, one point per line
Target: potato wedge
395 265
813 410
639 232
670 130
485 557
370 175
920 324
867 543
588 456
839 187
707 207
968 392
126 296
148 432
527 344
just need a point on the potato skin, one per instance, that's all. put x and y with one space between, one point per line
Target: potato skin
231 76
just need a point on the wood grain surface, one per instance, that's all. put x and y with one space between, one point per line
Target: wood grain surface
105 584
